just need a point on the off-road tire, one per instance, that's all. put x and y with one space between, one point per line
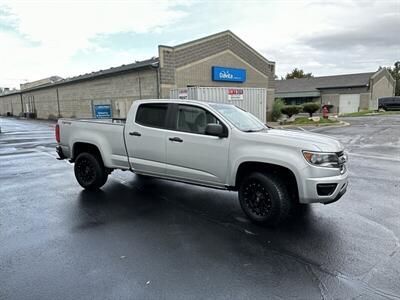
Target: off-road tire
90 171
265 199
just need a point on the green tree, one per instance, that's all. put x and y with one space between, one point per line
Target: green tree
291 110
310 108
298 73
395 71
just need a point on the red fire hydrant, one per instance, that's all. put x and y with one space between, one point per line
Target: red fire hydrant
325 112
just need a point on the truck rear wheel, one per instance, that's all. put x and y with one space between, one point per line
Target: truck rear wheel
265 199
90 171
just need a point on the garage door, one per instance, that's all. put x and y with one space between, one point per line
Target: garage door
349 103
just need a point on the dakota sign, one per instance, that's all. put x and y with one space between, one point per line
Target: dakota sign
228 74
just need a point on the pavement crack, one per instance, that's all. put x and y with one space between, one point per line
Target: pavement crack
322 287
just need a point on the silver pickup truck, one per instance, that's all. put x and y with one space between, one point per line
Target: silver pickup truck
209 144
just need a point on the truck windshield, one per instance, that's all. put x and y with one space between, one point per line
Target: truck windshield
240 118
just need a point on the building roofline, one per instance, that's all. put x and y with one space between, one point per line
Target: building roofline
384 69
10 93
216 35
326 76
341 86
329 82
123 69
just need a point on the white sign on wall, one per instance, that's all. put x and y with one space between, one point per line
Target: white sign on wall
235 94
183 94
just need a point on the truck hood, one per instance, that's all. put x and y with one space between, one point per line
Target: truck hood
303 140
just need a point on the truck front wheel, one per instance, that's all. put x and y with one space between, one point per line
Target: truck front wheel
265 199
89 171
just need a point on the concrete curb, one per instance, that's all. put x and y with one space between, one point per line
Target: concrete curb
340 124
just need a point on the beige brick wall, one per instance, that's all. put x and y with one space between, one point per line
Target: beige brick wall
120 91
199 73
270 103
382 88
76 99
42 102
364 101
10 104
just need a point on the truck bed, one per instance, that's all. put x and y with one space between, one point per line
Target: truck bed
106 134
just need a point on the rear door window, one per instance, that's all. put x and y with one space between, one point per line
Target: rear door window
152 114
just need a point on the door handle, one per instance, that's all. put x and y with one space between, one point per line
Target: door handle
135 133
176 139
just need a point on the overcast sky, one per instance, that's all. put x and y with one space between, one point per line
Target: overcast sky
43 38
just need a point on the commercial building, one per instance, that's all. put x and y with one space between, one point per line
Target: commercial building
346 93
219 60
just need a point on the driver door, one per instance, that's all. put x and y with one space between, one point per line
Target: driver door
191 155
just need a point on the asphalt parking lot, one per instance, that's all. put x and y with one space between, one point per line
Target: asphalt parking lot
154 239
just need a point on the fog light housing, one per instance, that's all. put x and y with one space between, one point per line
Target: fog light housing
326 189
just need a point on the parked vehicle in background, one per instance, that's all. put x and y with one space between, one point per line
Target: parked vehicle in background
210 144
389 103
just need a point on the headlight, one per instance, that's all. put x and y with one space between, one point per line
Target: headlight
320 159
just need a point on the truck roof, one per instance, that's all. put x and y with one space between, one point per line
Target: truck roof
187 101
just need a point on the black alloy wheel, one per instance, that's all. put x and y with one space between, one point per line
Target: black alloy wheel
86 171
265 199
90 171
256 198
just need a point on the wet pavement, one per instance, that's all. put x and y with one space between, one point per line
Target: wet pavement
142 238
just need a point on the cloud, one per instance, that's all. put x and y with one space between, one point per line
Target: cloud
383 31
46 34
329 38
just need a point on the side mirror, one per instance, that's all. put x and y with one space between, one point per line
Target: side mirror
215 130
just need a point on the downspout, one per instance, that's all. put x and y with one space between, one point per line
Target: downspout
12 108
22 104
140 86
158 83
58 104
34 107
158 74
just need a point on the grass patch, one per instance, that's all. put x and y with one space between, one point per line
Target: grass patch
306 121
370 113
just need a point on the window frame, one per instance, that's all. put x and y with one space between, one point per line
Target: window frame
174 118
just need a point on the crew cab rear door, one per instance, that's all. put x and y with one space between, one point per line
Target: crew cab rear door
191 154
145 138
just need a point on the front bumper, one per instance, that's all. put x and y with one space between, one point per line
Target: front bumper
310 194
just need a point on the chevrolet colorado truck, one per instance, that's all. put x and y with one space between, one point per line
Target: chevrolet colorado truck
210 144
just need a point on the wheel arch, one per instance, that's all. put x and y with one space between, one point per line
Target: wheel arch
286 174
80 147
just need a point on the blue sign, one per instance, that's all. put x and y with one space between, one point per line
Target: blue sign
102 111
228 74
